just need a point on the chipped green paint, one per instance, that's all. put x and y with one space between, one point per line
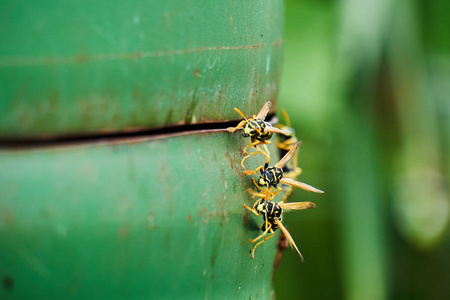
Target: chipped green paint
74 68
140 219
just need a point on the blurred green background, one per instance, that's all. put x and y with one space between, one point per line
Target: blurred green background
366 84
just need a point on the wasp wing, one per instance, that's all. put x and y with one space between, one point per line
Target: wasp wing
296 205
264 111
288 155
276 130
301 185
288 237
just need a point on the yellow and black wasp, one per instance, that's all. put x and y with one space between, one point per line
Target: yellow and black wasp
272 213
258 130
285 142
271 176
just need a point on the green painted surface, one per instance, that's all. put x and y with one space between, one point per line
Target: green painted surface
132 219
74 68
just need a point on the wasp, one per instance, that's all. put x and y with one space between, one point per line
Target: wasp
258 130
271 176
272 213
284 144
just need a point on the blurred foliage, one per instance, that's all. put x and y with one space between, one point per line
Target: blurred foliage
366 85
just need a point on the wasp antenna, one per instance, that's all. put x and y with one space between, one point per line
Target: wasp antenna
286 117
240 112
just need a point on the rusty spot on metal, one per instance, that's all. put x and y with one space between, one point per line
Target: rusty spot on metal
88 58
277 43
235 166
202 211
136 55
123 232
82 58
197 73
227 154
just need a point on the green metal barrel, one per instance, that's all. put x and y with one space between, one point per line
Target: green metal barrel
86 214
83 67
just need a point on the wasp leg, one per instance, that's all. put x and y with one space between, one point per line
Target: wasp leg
267 153
265 239
279 190
255 194
258 186
286 145
252 210
269 195
262 235
248 172
239 126
252 144
262 195
254 153
280 145
266 195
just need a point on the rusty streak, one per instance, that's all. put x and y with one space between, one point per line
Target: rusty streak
21 61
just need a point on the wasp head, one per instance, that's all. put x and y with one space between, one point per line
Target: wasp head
261 206
253 127
248 130
262 181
